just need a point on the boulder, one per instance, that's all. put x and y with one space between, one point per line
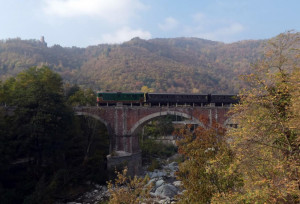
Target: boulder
156 174
166 191
159 183
173 166
177 183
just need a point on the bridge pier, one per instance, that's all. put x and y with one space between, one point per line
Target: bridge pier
126 143
120 159
125 152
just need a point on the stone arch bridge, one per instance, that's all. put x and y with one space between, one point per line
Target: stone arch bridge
123 122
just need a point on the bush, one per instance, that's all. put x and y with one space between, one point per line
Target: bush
152 149
129 190
154 165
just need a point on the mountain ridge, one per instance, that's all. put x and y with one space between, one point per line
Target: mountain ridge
191 65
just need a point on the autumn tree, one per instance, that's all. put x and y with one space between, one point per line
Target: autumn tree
127 190
145 89
204 171
266 143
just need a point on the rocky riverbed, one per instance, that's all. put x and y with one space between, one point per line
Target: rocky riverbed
165 186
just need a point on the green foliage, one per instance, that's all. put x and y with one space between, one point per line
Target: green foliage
33 143
6 91
71 90
150 145
41 119
155 164
46 152
79 97
89 148
160 127
152 149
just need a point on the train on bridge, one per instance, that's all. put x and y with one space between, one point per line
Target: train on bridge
163 99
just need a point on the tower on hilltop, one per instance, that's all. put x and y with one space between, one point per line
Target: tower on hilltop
42 40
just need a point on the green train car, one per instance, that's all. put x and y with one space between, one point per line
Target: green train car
113 98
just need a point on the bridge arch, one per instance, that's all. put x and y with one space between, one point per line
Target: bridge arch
80 113
158 114
95 117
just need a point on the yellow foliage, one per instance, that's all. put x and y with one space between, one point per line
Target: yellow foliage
145 89
207 159
126 190
266 143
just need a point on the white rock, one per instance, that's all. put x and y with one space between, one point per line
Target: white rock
173 166
157 174
153 175
177 183
172 174
165 201
161 174
98 186
159 183
166 191
104 188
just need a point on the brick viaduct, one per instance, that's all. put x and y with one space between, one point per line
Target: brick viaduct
123 123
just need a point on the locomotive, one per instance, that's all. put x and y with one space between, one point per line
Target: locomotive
113 98
163 99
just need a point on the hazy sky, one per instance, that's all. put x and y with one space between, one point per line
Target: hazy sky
89 22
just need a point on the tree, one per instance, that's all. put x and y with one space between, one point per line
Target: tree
6 91
204 171
41 117
1 93
88 150
162 126
145 89
36 135
128 190
266 143
82 98
71 90
46 152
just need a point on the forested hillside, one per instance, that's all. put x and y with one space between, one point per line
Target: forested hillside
50 155
189 65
